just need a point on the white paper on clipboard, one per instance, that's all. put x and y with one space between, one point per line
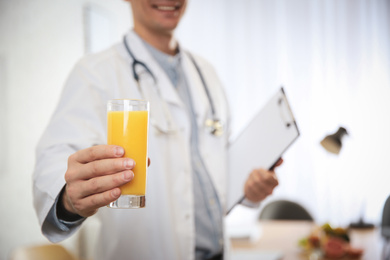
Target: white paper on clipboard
261 143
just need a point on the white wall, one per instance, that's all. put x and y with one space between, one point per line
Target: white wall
333 58
40 42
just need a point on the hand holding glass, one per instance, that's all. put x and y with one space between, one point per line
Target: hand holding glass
127 126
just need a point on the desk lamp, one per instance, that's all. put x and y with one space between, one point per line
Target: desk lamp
333 143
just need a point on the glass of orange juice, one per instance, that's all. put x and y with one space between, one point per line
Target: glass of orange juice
127 126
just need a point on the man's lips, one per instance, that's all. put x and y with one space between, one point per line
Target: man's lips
167 8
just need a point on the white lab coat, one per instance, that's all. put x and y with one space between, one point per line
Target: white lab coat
165 228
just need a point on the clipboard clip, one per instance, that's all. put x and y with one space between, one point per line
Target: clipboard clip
288 119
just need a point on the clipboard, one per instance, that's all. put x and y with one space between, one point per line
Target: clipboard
261 144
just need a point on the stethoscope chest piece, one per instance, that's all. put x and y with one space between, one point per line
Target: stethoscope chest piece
215 127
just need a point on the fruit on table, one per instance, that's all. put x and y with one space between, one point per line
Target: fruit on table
334 247
334 243
314 240
354 252
336 232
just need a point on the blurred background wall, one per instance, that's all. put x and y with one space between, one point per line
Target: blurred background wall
40 42
332 57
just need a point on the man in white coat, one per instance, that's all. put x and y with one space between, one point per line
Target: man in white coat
77 174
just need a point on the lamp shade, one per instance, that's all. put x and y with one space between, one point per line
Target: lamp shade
333 143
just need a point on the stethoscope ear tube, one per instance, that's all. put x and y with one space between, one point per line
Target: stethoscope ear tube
205 86
137 62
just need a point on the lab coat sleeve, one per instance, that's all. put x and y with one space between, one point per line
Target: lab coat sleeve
77 123
53 226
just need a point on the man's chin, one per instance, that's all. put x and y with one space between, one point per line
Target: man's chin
167 28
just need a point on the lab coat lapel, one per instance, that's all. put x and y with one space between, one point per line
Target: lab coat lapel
212 148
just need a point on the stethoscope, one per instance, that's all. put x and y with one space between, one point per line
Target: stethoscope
214 125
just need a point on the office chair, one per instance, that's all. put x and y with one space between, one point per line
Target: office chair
284 210
42 252
385 229
385 225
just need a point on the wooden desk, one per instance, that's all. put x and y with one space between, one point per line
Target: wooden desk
284 236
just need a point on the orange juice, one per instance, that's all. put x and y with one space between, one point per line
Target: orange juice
129 129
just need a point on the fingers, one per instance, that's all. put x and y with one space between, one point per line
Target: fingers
97 152
94 176
105 167
88 206
100 200
260 184
104 183
85 197
252 192
279 162
97 161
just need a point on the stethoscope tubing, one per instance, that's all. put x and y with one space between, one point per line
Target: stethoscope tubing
137 62
142 64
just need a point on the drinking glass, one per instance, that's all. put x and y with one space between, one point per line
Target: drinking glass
127 126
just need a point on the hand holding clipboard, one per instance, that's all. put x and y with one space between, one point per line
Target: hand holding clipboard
261 144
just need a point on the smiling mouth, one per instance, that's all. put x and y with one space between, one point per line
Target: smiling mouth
167 8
